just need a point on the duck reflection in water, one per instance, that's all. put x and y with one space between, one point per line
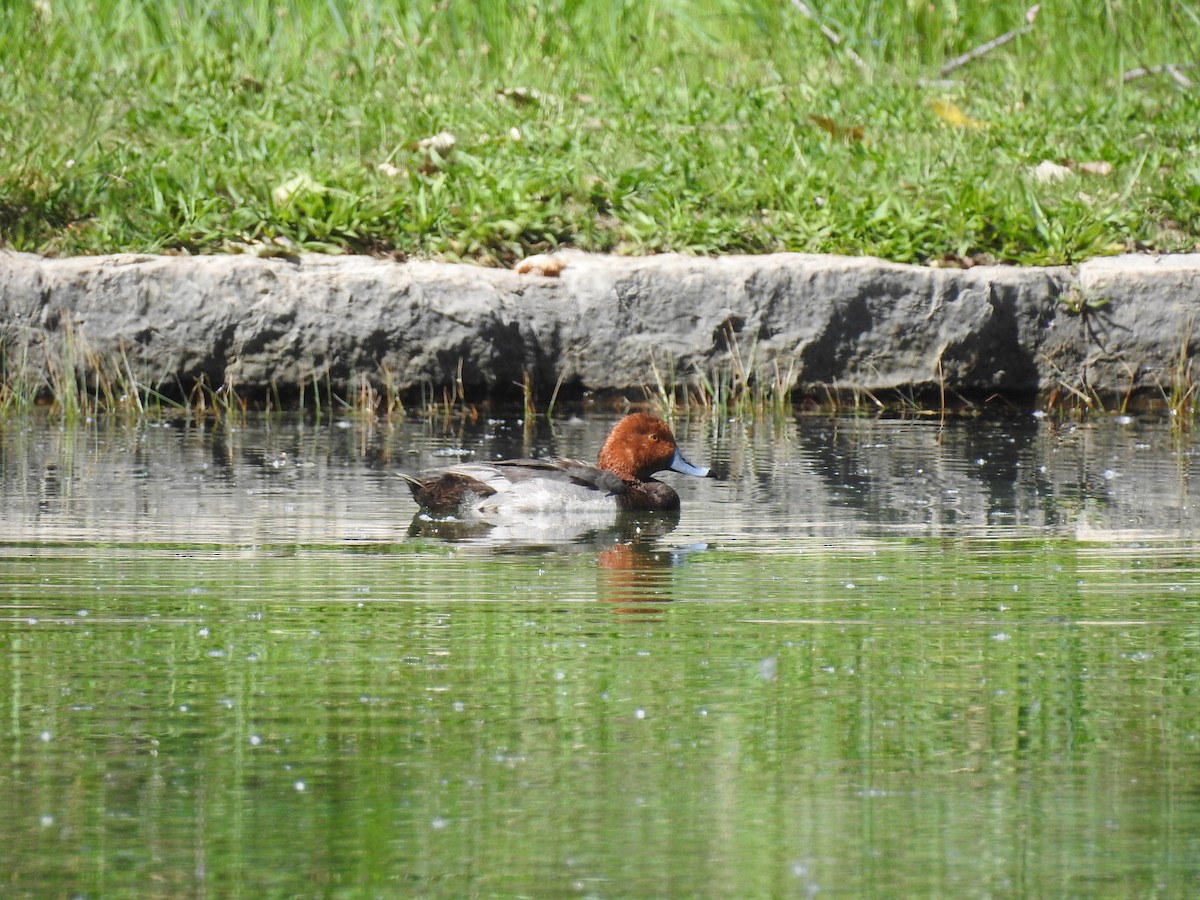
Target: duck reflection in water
636 572
633 568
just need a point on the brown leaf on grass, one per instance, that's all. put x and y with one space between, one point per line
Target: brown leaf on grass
851 133
952 115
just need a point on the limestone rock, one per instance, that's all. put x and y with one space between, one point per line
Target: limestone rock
607 321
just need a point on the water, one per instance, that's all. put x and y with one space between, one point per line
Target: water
887 658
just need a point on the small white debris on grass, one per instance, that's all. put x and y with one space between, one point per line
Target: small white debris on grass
441 143
436 150
522 96
1047 172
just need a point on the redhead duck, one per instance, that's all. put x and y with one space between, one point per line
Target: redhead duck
637 447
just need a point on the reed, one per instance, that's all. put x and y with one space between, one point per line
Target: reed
739 386
1181 394
323 401
528 398
70 379
448 402
222 404
367 400
67 378
392 399
665 395
562 377
61 372
19 386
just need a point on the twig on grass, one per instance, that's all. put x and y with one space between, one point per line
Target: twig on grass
984 49
1172 69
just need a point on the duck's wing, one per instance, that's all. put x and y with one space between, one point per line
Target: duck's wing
519 485
561 468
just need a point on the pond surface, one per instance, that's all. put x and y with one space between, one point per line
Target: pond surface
883 658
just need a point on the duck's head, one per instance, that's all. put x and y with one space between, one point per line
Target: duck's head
640 445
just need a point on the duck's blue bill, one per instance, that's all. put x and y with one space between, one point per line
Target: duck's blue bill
679 464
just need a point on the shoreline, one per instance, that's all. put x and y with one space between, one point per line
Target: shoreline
1112 326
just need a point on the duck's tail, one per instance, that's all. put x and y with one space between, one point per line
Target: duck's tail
416 485
446 491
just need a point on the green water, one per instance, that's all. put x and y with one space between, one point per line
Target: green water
882 659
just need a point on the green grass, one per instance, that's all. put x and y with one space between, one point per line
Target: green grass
644 126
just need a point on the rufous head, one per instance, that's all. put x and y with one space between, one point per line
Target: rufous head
640 445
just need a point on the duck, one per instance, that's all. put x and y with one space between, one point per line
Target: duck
638 447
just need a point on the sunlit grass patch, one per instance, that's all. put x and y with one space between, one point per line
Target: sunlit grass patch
708 127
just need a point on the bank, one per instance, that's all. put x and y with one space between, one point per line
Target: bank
817 326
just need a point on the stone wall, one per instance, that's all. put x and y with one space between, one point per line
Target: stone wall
606 323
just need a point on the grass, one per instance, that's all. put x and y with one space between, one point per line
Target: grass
614 126
70 382
737 386
74 381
